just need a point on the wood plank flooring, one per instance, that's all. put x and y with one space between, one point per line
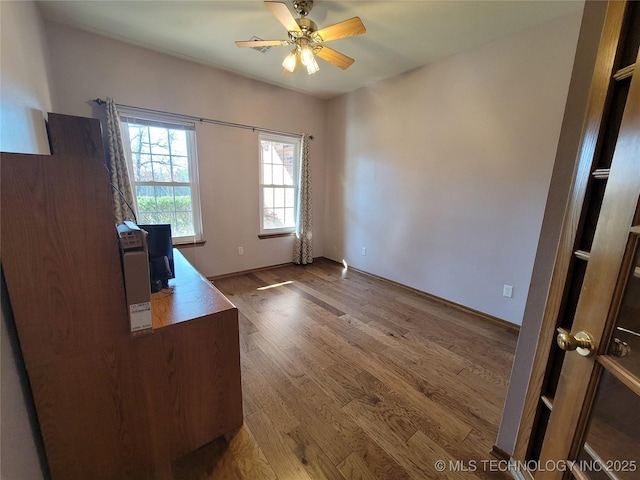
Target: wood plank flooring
346 376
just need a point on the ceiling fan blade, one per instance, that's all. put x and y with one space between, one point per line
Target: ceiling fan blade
347 28
284 16
338 59
261 43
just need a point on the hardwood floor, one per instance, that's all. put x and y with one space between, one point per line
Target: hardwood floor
346 376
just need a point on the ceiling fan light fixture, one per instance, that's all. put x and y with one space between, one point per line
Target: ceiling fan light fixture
291 61
306 55
307 40
312 67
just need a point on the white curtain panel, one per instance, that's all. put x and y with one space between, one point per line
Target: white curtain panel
122 194
303 247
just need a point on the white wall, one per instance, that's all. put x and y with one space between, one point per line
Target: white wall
442 173
24 99
88 66
24 90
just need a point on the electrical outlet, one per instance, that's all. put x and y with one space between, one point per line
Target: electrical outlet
240 250
507 291
364 251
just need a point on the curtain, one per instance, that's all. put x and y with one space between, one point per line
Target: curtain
120 182
303 246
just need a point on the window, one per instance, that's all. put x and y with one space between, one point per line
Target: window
163 168
279 158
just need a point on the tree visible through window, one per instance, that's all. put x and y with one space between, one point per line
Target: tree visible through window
278 183
163 170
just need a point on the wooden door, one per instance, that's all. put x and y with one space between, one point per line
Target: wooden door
595 417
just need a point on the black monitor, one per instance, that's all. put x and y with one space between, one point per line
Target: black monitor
160 248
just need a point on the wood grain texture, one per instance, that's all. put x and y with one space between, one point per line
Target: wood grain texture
203 364
193 296
110 406
619 208
57 220
75 136
130 407
349 377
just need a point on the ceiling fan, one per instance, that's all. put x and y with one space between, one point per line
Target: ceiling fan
308 41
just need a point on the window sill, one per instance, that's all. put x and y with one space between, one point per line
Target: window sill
275 235
198 243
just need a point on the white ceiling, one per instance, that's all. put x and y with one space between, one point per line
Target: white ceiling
401 35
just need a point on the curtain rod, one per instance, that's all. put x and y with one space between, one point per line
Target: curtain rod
99 101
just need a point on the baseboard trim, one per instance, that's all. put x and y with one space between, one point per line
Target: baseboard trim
457 306
254 270
516 473
499 453
244 272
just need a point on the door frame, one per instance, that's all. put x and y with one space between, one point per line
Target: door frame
594 117
597 307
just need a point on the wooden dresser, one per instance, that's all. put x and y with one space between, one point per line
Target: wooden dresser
110 406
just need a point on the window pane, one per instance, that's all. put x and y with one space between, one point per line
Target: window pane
167 217
267 197
147 217
278 217
145 191
164 199
163 191
269 219
161 168
267 174
278 174
178 142
288 162
277 149
289 200
265 151
183 199
139 137
146 199
278 163
184 225
278 197
159 139
289 178
142 171
180 166
289 218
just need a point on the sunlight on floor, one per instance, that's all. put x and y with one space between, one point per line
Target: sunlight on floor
275 285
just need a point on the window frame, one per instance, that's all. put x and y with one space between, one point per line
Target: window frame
297 145
130 116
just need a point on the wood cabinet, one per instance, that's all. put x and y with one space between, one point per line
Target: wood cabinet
110 406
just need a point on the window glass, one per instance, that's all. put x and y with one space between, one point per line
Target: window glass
163 170
278 183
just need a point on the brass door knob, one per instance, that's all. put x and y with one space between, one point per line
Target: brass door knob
619 348
581 342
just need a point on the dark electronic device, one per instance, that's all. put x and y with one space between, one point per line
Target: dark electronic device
160 247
